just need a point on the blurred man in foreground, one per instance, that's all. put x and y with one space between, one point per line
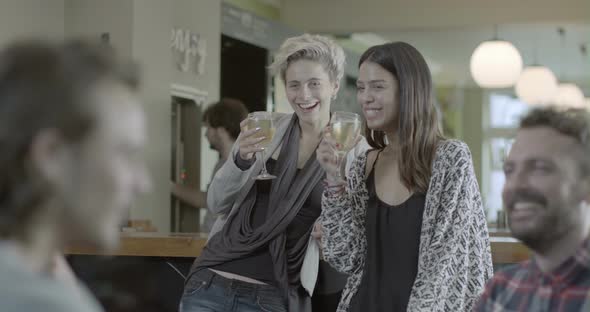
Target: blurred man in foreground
72 133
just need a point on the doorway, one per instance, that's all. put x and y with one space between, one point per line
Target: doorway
185 161
244 73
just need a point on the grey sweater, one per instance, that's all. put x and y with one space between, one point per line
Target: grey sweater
230 186
22 290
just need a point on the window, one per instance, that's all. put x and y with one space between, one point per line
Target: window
501 120
506 111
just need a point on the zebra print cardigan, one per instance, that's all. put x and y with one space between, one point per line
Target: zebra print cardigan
454 262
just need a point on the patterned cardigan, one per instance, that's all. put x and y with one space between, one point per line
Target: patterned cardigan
454 260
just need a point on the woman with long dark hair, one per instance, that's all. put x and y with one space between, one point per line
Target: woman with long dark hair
408 223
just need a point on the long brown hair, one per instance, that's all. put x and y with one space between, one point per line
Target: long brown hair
418 130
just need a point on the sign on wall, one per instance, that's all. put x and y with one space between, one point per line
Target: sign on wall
189 51
245 26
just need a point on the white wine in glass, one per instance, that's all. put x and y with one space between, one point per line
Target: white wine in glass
262 120
266 130
345 127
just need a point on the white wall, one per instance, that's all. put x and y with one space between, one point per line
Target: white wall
90 18
152 23
204 18
31 18
139 29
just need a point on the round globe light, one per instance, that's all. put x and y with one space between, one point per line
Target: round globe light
537 85
496 64
569 95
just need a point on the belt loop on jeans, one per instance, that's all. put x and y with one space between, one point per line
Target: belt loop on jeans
209 276
256 291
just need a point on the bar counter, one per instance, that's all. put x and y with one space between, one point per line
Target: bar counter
505 249
152 267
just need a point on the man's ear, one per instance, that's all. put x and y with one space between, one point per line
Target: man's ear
48 155
223 132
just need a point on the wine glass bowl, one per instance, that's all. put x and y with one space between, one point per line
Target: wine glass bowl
345 128
263 121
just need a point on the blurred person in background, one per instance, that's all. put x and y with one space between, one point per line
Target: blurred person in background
546 196
72 133
222 120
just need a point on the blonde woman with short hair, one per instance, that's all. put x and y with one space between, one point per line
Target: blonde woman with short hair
255 255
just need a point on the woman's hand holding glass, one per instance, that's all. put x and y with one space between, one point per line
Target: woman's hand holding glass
257 133
249 141
340 137
327 157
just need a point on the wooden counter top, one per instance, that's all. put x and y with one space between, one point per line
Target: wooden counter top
503 232
504 249
151 245
508 250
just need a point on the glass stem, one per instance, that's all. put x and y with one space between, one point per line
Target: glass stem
263 163
339 158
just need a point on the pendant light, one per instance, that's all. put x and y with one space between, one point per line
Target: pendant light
495 64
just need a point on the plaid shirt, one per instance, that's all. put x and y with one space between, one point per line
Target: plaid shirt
524 287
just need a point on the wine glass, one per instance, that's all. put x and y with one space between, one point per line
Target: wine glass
345 127
262 120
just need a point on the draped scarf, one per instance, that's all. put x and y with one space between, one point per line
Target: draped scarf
288 192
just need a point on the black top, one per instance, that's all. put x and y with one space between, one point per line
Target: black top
259 265
393 241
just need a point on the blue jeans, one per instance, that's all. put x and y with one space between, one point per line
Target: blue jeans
206 291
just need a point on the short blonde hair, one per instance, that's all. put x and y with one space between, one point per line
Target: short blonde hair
310 47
